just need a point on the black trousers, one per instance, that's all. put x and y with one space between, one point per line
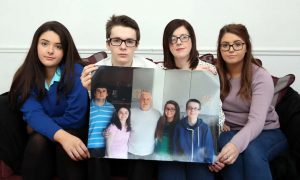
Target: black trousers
43 159
13 135
104 168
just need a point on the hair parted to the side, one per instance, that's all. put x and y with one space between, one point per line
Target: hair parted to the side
125 21
169 61
246 77
31 74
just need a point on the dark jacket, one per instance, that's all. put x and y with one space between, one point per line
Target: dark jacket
193 143
287 165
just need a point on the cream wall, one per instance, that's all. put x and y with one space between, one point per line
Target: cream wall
273 25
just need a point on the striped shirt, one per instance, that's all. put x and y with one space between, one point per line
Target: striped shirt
100 117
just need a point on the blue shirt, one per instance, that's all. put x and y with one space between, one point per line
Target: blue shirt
55 78
49 115
100 117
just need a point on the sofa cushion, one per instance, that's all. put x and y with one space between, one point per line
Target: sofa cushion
208 58
5 171
280 87
94 58
288 110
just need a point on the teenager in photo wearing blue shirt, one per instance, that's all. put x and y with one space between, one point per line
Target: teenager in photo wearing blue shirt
101 112
48 91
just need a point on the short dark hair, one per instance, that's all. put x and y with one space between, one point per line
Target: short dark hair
94 90
193 100
125 21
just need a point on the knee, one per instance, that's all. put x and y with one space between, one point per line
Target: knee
224 138
37 144
60 150
254 154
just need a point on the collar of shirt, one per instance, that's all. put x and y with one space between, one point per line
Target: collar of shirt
95 104
55 78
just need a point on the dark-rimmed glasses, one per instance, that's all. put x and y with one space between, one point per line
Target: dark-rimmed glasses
170 109
237 46
193 109
183 38
118 42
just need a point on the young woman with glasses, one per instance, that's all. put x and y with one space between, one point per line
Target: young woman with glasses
247 89
180 52
164 131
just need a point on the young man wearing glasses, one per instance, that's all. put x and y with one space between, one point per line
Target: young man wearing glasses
122 39
193 140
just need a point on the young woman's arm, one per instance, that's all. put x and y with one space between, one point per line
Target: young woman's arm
77 104
36 117
262 94
47 117
111 130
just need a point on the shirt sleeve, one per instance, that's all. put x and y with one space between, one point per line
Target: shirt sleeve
262 94
35 116
112 129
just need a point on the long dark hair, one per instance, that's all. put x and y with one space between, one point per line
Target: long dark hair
246 77
116 120
31 74
169 61
163 120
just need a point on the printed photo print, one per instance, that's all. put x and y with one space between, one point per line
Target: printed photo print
154 114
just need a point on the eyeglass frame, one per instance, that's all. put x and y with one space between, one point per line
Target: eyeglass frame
232 45
193 109
170 109
122 40
180 38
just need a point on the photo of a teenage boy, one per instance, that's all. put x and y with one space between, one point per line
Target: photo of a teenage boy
101 112
143 124
193 141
